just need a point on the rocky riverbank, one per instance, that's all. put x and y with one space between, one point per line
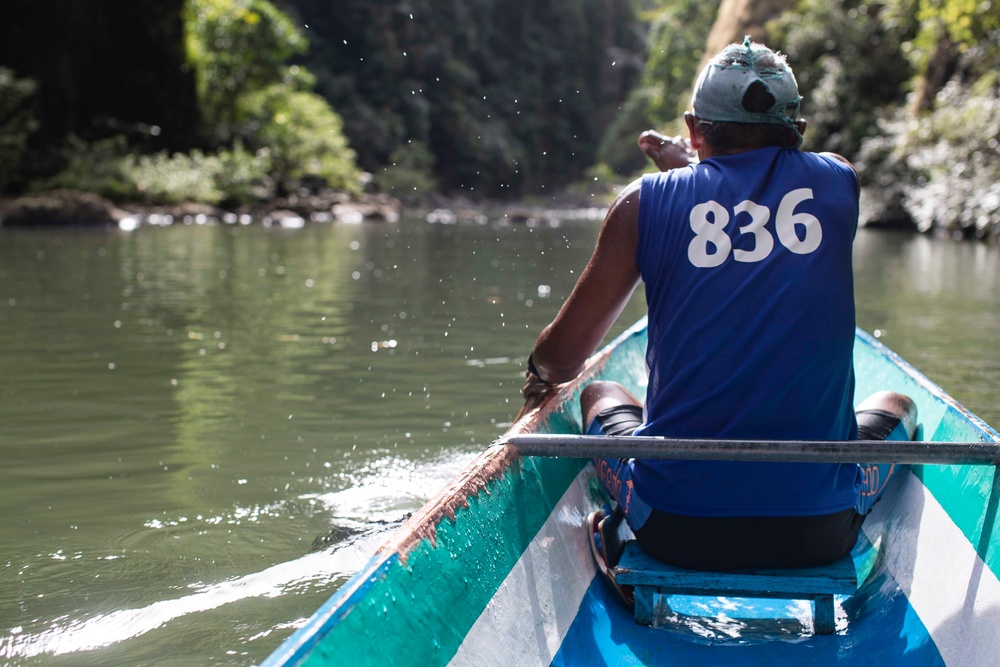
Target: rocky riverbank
75 208
61 208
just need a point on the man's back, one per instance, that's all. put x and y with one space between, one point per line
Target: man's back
746 260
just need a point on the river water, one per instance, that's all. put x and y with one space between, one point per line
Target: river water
206 429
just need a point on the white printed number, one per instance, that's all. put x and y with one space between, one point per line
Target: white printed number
711 245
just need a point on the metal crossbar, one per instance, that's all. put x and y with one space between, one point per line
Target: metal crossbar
813 451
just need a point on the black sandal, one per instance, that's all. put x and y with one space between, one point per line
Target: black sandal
603 533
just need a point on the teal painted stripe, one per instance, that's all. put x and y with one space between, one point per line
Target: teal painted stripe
419 613
970 495
294 649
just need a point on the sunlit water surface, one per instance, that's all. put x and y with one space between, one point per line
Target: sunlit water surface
205 430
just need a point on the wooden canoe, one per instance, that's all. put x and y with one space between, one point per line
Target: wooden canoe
496 569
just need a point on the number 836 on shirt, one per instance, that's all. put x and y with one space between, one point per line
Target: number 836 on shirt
798 231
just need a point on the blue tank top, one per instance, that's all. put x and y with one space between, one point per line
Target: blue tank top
746 261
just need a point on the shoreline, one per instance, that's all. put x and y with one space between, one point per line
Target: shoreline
74 208
79 209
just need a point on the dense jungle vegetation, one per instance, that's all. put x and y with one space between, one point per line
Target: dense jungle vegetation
231 102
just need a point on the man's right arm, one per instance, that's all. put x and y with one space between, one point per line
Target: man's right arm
599 296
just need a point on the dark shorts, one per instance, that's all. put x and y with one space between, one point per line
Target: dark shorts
724 543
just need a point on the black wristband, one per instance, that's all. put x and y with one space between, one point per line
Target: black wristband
534 371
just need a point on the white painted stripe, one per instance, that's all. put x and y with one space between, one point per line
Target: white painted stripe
955 594
528 617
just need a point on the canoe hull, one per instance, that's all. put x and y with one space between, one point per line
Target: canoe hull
496 568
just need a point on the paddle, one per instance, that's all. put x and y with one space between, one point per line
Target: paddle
822 451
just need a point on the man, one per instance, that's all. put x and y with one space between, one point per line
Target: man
744 245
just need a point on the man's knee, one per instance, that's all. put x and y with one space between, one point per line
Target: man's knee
598 396
876 412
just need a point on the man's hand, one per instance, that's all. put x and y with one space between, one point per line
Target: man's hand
535 391
667 152
535 388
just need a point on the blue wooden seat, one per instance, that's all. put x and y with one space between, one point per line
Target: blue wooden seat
651 577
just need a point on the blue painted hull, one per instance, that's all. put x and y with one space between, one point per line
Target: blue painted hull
876 627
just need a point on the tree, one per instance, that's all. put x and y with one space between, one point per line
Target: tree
251 93
510 96
16 123
850 67
238 47
948 29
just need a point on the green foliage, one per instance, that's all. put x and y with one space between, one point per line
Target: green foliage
942 171
676 45
274 133
251 93
110 169
965 22
409 176
515 97
511 96
97 167
849 65
618 151
941 32
677 34
239 47
303 136
169 179
230 176
17 123
244 176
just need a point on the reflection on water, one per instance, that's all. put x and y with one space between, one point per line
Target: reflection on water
185 410
937 304
720 621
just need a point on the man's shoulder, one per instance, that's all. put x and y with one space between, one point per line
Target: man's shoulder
828 158
821 165
625 209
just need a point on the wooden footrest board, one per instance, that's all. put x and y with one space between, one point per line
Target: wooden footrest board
651 577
